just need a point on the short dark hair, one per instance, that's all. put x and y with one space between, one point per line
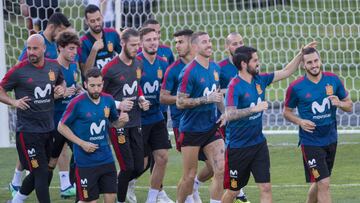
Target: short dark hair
59 19
150 22
145 31
310 50
93 72
129 32
91 8
195 36
185 32
243 54
67 37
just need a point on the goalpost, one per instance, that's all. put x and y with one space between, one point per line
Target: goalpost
277 28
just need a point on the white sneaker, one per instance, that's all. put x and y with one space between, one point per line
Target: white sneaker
196 197
163 198
130 195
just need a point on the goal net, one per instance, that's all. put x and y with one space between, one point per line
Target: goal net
277 28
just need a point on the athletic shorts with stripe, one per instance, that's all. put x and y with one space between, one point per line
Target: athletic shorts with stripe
92 181
34 149
240 162
155 137
318 161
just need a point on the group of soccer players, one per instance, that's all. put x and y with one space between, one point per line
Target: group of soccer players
130 81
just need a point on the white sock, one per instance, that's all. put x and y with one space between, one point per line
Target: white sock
16 181
215 201
152 195
197 184
241 193
189 199
19 198
64 180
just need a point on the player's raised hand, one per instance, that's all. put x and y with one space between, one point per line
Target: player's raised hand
261 106
89 147
98 45
335 101
307 125
215 97
22 103
126 105
143 103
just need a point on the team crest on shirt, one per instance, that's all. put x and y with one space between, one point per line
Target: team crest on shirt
121 139
216 75
315 173
106 112
159 73
233 183
329 90
110 46
51 75
258 88
138 73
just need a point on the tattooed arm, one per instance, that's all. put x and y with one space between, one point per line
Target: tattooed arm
232 113
184 102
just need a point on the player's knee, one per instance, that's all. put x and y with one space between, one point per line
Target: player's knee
190 176
231 193
265 187
161 158
324 184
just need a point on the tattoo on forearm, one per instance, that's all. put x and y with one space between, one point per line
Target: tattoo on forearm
233 114
183 101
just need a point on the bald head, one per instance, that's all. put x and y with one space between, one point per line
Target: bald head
36 49
233 41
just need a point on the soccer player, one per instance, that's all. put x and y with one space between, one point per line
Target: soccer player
168 96
86 123
164 51
227 71
317 95
34 81
99 45
154 127
247 151
122 80
67 42
57 23
199 97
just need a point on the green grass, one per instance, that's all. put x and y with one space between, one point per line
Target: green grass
286 173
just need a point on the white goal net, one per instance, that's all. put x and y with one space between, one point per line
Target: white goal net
277 28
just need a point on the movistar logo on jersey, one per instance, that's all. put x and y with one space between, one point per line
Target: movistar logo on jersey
100 63
41 93
257 115
97 129
127 90
149 89
208 91
316 108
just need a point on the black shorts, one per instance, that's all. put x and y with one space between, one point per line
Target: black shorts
129 148
59 142
318 161
92 181
34 149
155 137
240 162
200 139
201 157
